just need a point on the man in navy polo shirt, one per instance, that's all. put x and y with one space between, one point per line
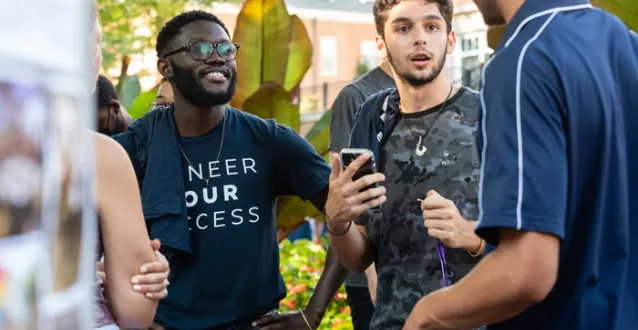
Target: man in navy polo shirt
559 154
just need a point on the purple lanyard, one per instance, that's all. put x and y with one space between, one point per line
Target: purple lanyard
445 280
441 251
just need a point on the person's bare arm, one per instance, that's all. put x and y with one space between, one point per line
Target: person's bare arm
352 248
520 272
125 239
371 275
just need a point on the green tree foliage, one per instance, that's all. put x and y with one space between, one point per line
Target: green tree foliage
130 26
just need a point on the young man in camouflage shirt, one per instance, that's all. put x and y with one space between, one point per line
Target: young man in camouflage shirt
422 137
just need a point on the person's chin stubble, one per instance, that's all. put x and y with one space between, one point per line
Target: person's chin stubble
419 82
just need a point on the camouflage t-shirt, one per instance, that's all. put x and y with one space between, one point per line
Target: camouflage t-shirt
406 257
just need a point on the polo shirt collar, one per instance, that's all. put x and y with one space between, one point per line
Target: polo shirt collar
531 8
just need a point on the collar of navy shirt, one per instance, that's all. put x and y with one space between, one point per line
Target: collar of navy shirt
536 8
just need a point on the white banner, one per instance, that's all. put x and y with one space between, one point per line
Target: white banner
48 226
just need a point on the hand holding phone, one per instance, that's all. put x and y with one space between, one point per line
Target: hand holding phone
354 185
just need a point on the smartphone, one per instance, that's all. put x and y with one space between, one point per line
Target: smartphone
348 155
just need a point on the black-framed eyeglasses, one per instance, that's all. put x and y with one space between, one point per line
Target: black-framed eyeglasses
203 50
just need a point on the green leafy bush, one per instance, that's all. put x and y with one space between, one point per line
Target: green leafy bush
301 266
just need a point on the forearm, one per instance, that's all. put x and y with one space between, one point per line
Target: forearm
334 273
131 309
371 276
494 291
351 247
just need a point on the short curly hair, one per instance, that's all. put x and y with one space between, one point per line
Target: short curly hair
173 27
381 8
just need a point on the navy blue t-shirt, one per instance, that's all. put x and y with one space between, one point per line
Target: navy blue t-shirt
233 274
559 149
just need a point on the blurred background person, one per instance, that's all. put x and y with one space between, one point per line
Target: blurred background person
164 95
112 118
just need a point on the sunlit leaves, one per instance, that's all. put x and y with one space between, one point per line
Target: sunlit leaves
130 26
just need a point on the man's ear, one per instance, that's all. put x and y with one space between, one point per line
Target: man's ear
165 68
381 47
451 43
114 106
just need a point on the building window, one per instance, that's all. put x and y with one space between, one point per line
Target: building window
368 49
471 71
472 56
469 44
328 48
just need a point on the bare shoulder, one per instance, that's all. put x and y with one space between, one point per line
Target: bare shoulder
110 157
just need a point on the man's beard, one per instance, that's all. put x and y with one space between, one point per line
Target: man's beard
192 89
416 81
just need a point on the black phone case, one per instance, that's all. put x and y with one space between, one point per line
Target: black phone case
369 167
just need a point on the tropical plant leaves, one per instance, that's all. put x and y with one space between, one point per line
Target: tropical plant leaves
142 104
275 54
626 10
272 101
270 40
300 56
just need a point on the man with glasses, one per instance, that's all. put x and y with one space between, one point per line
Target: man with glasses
210 176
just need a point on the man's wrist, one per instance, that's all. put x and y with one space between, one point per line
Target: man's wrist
473 242
315 313
338 228
476 249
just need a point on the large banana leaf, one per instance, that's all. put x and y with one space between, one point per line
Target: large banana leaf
319 134
272 101
300 56
626 10
270 40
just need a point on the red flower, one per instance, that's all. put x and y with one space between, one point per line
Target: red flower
297 288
